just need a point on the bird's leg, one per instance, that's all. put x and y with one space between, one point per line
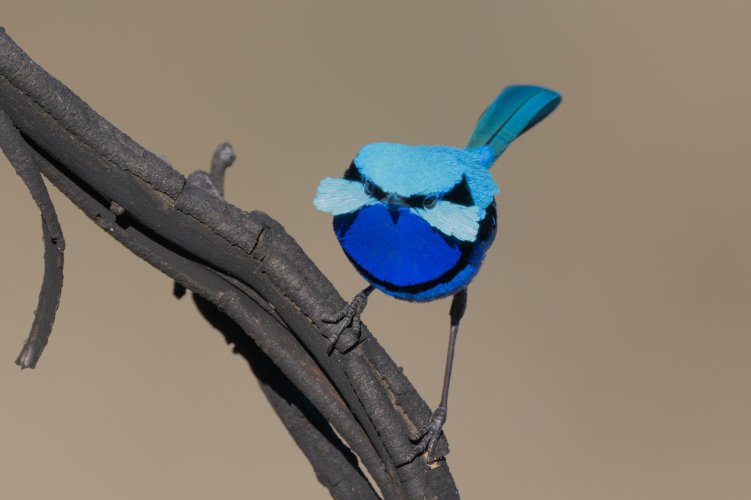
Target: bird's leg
427 438
350 315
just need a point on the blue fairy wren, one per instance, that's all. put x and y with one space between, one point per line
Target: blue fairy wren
416 221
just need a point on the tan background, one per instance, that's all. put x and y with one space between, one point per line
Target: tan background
606 352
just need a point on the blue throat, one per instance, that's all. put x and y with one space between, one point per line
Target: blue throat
405 257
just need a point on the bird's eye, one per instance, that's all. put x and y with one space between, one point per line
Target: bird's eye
429 202
371 189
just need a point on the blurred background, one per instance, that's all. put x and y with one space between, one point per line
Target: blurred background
606 348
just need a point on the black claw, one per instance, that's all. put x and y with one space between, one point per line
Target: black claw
349 317
335 338
427 438
334 318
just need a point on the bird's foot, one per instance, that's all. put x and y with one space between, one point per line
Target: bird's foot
349 316
427 438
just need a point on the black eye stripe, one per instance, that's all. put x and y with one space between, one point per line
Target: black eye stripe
460 194
416 200
353 173
372 190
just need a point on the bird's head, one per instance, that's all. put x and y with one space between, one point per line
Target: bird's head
449 188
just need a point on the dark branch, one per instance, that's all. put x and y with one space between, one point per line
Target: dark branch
54 245
243 264
335 464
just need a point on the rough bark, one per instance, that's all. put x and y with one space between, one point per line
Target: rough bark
249 278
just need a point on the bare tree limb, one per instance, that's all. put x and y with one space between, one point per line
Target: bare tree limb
249 277
54 244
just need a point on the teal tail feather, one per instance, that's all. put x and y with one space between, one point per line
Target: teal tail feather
517 109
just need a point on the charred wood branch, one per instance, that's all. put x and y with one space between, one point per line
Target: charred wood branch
249 278
54 245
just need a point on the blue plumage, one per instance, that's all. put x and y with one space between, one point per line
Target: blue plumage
402 255
397 213
416 221
517 109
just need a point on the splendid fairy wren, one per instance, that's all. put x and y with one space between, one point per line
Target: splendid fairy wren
416 221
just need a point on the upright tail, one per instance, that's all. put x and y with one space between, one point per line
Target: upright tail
517 109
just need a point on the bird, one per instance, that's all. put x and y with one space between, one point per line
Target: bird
417 221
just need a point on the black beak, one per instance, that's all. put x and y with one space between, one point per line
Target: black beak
394 202
394 213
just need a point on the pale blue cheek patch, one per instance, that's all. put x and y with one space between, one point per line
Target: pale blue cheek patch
458 221
340 196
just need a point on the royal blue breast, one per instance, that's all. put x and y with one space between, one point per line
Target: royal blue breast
404 256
